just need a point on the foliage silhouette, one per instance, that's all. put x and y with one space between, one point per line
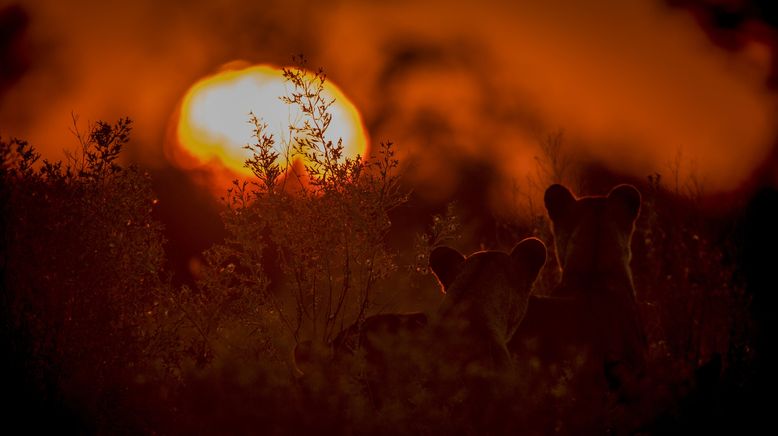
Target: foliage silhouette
305 243
81 270
101 340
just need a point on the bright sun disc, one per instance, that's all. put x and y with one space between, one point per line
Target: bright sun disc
213 123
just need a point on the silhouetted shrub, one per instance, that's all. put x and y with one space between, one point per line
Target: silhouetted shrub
100 339
81 271
305 241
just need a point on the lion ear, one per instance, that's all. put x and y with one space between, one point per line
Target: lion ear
530 255
626 199
445 262
559 201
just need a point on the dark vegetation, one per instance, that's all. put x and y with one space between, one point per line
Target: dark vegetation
98 339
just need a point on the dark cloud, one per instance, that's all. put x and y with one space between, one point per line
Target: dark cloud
13 48
748 28
739 25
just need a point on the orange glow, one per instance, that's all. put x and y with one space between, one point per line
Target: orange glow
213 122
632 83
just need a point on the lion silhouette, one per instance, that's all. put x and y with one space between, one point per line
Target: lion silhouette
486 297
485 300
594 305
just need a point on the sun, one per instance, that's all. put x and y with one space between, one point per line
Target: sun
213 128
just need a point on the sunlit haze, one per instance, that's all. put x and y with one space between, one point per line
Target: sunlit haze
213 125
631 83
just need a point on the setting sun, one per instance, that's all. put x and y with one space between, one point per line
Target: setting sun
213 124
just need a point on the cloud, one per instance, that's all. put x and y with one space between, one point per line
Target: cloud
632 83
103 60
477 84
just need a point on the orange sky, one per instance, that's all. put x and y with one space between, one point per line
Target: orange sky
631 83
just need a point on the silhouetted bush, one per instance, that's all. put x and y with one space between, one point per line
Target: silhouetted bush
81 271
100 340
